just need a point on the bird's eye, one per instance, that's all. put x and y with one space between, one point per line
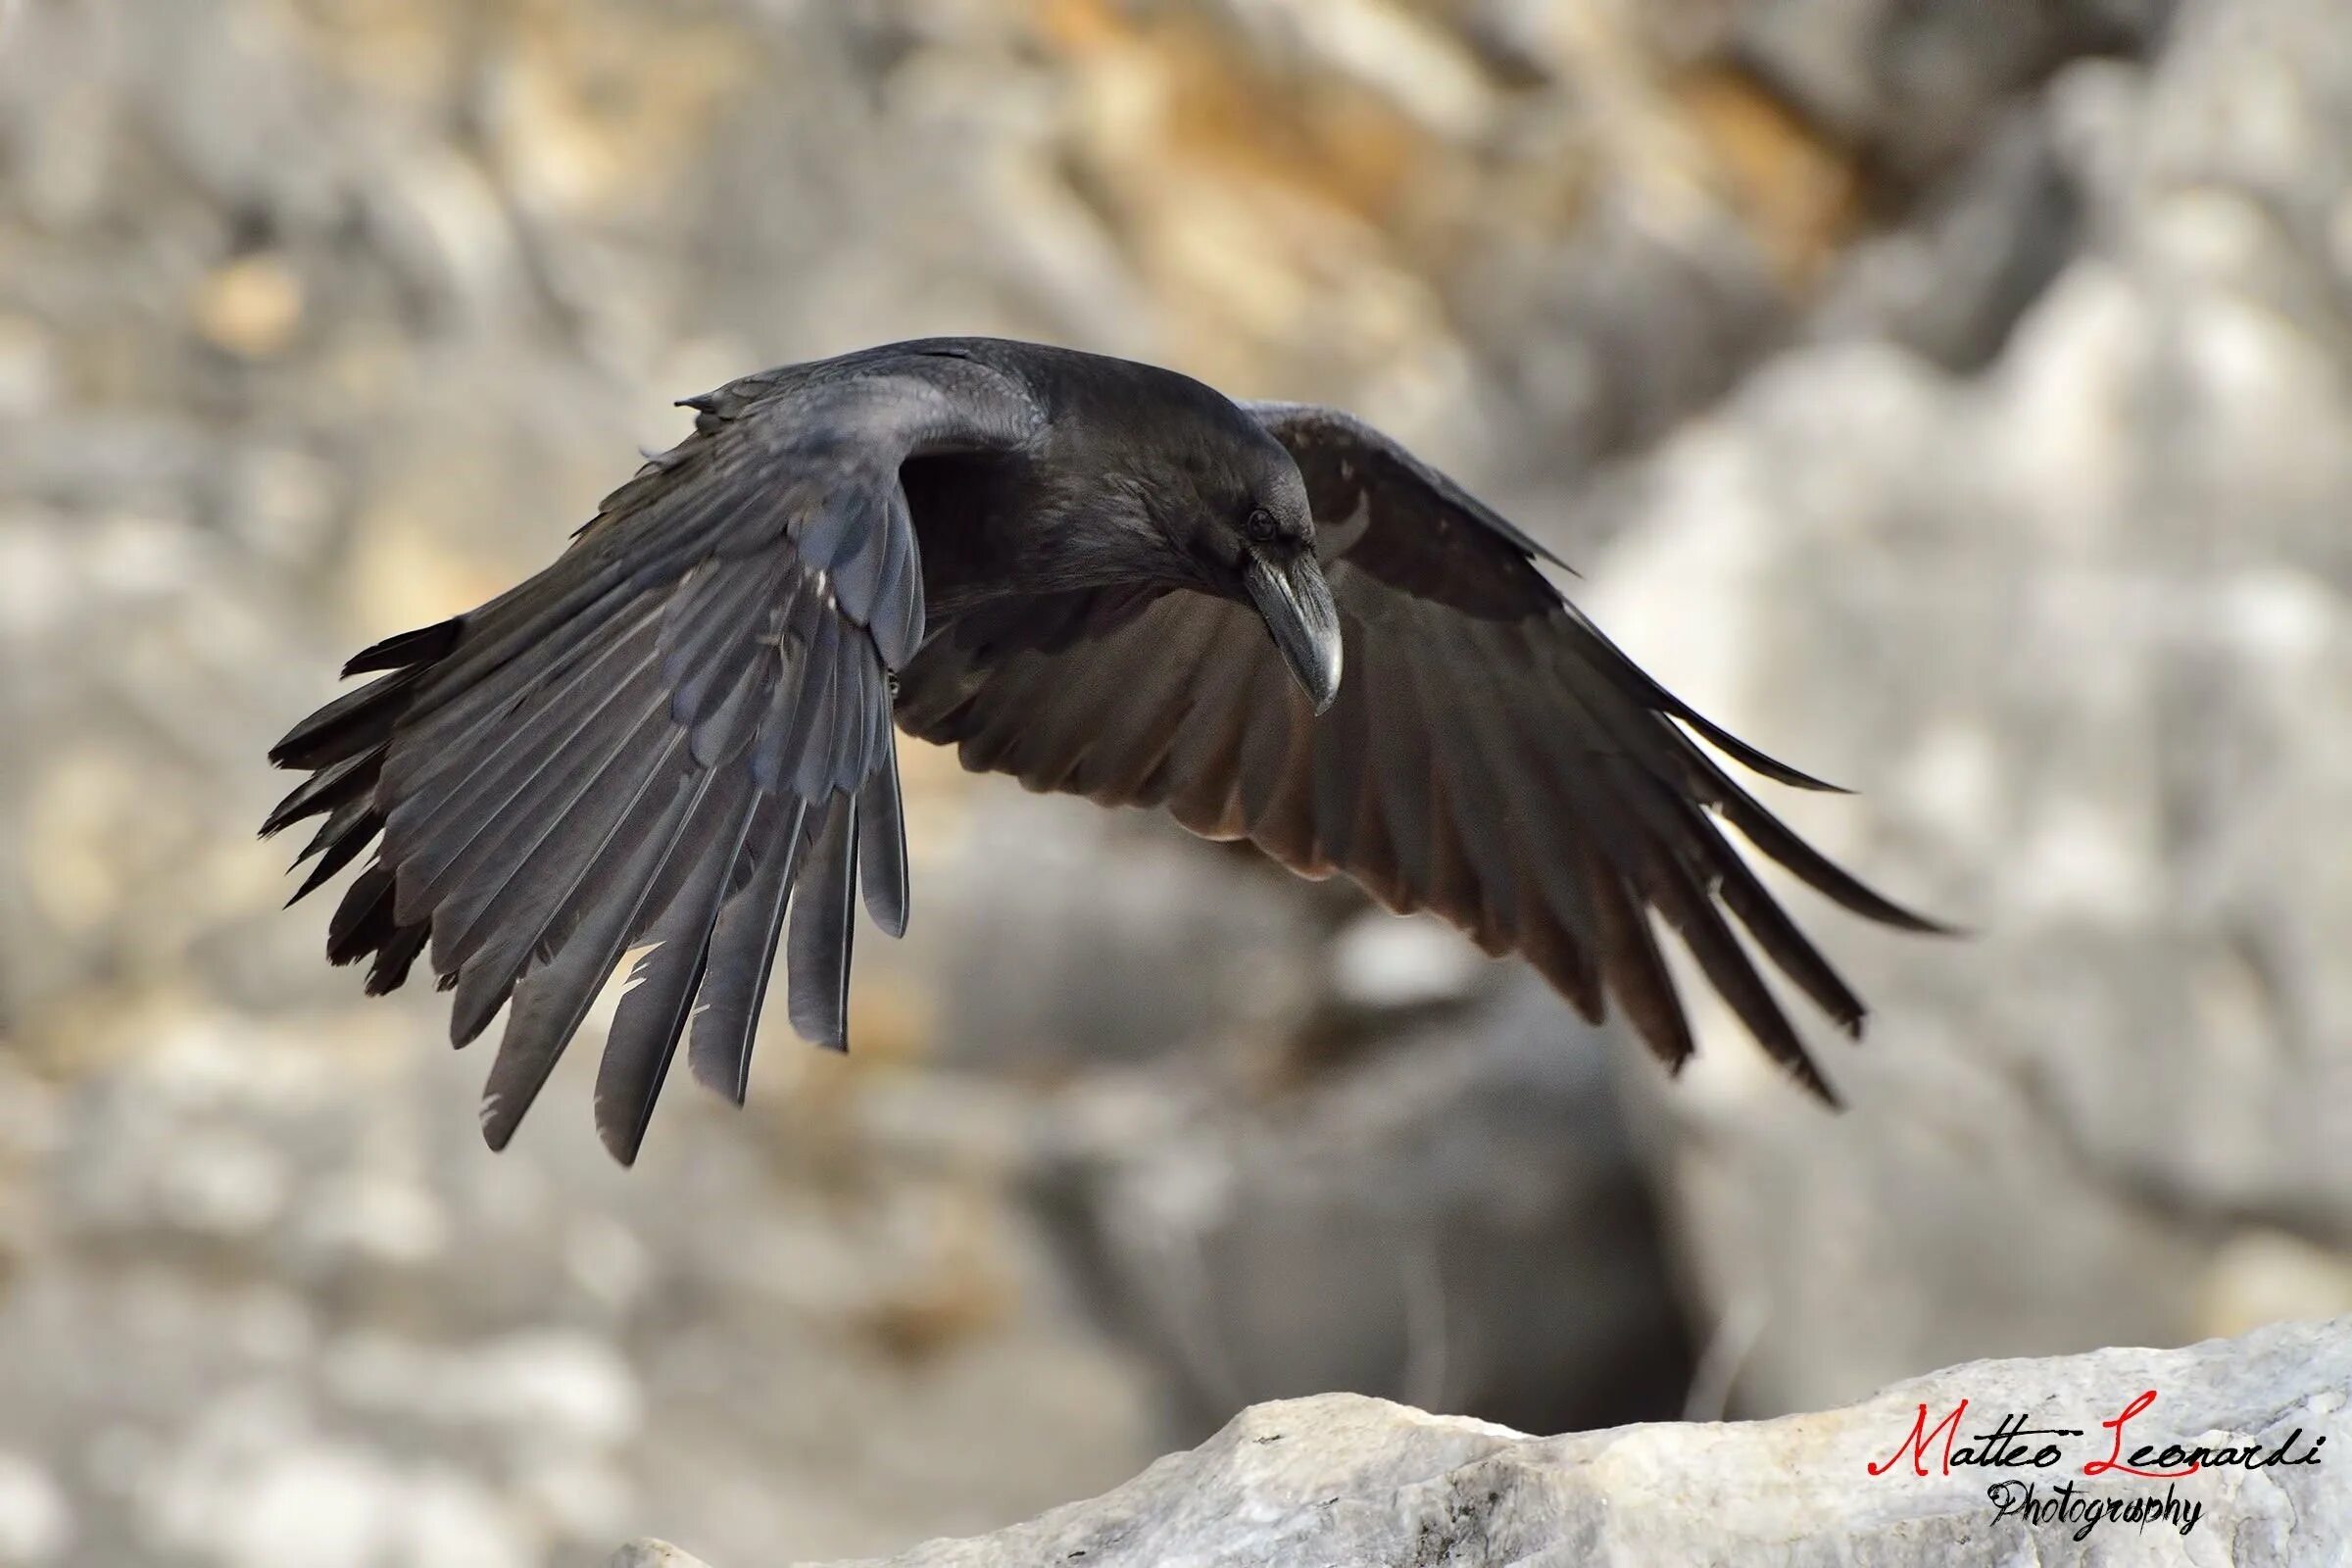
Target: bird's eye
1261 525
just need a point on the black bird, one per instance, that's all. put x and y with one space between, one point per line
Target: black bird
1096 576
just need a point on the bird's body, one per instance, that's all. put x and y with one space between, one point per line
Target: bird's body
1097 576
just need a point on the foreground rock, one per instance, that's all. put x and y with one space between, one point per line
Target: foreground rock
1341 1479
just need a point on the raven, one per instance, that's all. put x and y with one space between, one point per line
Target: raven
1096 576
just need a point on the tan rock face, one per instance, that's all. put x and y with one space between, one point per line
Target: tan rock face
251 307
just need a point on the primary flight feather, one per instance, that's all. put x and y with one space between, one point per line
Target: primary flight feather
1097 576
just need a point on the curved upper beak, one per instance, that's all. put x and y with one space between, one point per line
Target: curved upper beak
1296 606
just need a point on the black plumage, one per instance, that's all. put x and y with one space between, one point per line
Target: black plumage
1099 576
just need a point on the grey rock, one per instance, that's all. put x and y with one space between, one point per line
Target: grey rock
1064 965
1341 1478
1912 79
2102 590
1951 281
1453 1218
1606 339
653 1554
36 1519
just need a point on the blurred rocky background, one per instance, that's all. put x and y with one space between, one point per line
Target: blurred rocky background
1953 396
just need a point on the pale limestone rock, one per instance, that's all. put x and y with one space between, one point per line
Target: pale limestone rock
1339 1479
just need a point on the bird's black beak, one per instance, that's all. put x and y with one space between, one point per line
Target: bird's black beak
1298 612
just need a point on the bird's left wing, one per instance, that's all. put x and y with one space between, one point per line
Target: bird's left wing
1491 756
656 740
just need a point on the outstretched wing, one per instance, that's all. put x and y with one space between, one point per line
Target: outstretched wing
674 733
1490 757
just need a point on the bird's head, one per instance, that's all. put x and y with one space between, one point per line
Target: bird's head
1249 535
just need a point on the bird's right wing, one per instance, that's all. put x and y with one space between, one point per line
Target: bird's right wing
1490 757
654 739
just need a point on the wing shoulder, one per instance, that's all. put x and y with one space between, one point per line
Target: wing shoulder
1336 449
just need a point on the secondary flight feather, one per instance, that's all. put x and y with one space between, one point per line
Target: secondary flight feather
1099 576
